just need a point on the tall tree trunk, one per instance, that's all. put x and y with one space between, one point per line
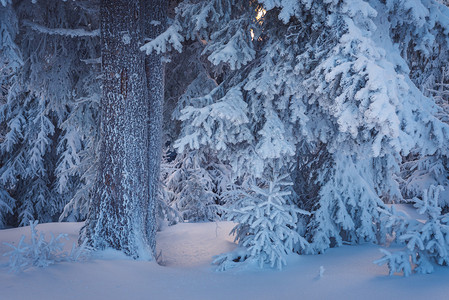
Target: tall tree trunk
155 14
119 217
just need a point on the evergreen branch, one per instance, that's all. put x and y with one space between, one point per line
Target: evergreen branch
62 31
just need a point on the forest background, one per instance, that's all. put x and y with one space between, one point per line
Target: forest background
298 120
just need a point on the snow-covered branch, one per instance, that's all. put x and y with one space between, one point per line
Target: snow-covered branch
5 2
62 31
169 39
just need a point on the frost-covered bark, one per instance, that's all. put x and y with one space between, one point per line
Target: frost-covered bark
119 216
155 16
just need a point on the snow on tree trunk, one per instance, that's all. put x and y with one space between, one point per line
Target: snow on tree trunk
155 14
119 217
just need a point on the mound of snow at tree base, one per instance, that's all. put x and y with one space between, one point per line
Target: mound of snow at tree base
186 251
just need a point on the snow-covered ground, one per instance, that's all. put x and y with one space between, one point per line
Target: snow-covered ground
187 274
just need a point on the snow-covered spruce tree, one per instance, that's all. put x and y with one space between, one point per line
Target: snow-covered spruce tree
419 172
78 165
330 75
188 78
426 51
370 123
266 222
424 175
344 203
426 243
195 182
10 61
220 118
46 126
122 212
